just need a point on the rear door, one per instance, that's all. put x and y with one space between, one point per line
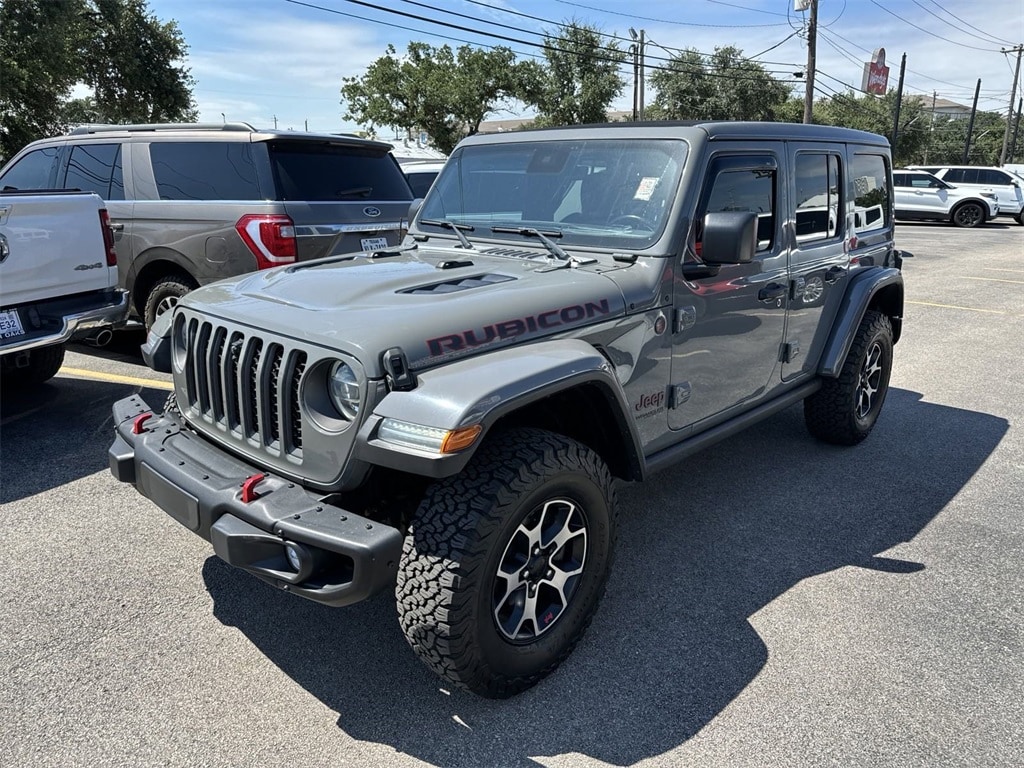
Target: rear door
819 262
342 197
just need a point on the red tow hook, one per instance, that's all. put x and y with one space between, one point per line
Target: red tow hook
249 487
138 421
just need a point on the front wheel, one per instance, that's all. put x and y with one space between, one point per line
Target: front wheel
845 409
968 215
504 564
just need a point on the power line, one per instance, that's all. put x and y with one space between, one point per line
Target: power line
666 21
940 37
946 10
949 23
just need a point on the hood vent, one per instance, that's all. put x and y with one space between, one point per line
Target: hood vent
460 284
515 253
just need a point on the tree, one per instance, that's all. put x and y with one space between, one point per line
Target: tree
866 112
581 80
445 93
127 56
40 45
132 62
722 86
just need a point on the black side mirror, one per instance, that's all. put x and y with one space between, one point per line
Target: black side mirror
729 237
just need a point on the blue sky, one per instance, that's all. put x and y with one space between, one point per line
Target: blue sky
254 60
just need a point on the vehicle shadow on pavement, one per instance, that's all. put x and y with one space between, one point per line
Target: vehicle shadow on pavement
58 432
702 548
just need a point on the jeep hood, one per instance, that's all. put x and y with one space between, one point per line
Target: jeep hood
436 305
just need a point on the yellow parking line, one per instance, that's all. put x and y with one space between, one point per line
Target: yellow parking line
84 373
996 280
966 309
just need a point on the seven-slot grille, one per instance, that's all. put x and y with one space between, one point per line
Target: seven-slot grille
246 385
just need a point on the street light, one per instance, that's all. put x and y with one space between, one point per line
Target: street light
224 117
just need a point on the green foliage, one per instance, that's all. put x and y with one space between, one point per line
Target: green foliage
40 45
132 63
581 79
947 136
722 86
116 47
445 93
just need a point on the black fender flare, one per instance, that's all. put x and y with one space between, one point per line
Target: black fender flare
481 390
881 287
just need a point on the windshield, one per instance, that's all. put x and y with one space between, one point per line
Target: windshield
612 193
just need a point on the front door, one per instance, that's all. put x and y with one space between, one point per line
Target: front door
729 326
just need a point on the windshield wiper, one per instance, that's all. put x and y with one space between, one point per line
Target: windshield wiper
456 228
354 191
553 248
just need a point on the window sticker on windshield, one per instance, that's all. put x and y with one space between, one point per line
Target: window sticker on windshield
646 188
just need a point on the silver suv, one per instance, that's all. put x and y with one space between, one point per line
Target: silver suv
193 203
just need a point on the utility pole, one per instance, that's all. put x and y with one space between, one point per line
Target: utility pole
1016 128
275 122
638 73
970 125
899 103
1013 94
812 41
931 128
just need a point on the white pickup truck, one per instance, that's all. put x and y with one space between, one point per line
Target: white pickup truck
58 279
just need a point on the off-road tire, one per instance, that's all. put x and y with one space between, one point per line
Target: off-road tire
44 362
164 294
466 528
1020 218
171 406
845 409
968 215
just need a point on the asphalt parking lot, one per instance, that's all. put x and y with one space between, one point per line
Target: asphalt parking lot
774 601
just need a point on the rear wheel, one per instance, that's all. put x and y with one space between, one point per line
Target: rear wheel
164 296
845 409
968 215
504 564
27 369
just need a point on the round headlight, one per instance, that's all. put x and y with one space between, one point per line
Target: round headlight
344 388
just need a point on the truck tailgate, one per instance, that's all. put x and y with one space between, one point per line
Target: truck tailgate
52 245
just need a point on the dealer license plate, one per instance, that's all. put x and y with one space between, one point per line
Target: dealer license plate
374 243
10 324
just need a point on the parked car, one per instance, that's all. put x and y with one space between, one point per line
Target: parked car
58 280
923 196
421 174
1006 186
571 305
194 203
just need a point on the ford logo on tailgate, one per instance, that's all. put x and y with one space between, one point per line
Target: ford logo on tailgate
371 211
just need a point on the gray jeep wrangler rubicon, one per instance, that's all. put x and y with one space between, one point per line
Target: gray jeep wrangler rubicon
570 307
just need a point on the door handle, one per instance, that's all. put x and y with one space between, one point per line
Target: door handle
116 226
834 274
771 292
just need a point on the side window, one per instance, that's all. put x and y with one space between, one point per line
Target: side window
96 168
902 179
742 189
956 176
993 177
199 170
33 171
869 174
817 196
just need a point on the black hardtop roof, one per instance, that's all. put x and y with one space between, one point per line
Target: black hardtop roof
179 130
714 130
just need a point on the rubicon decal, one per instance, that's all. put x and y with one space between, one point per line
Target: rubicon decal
508 329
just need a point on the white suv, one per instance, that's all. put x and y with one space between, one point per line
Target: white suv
1005 185
921 195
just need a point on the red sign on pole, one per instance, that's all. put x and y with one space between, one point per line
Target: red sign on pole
876 74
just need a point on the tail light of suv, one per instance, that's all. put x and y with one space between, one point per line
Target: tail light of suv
270 237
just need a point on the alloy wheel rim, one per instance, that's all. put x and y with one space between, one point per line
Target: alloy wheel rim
540 570
166 304
870 381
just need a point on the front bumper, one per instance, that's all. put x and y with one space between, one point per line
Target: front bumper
347 557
